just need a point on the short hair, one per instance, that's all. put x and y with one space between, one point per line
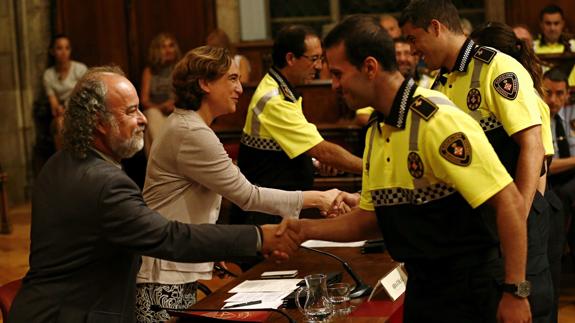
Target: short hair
363 36
550 9
556 75
421 12
202 63
86 106
290 39
401 40
155 51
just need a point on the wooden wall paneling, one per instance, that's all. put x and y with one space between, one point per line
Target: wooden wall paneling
517 12
189 21
97 30
259 53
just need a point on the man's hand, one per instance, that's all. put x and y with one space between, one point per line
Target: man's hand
326 203
326 170
280 246
344 202
513 310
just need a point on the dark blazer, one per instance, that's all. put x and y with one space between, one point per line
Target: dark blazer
90 226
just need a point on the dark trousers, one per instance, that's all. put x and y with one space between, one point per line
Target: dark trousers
468 295
555 247
538 270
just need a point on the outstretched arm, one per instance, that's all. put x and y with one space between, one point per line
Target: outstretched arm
512 229
336 156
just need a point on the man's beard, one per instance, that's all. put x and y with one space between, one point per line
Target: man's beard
129 147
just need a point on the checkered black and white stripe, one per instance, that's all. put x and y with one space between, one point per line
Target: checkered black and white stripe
490 123
260 143
397 195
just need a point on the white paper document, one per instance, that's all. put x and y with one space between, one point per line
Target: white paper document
266 285
264 297
261 305
325 244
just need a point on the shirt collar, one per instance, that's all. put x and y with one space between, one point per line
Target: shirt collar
465 54
287 89
107 158
398 113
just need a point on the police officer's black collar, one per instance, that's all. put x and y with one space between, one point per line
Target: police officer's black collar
465 55
463 59
398 113
289 93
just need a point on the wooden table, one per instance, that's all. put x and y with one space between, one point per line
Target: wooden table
370 267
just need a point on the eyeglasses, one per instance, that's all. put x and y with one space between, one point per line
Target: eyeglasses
314 58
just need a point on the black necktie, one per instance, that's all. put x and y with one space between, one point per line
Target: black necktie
561 138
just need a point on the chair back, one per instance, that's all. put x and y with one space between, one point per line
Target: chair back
7 294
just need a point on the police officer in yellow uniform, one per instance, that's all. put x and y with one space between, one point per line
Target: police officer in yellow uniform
503 38
432 185
498 93
278 143
552 39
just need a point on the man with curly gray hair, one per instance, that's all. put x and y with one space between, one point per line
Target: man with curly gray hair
90 225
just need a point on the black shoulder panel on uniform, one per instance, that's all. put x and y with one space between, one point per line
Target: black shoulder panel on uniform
424 107
485 54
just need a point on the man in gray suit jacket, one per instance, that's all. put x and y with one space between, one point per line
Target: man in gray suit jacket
90 224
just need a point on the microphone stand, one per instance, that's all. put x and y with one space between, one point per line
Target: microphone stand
157 308
361 288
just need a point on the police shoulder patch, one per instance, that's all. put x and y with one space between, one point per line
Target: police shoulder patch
423 107
485 54
456 149
507 85
414 165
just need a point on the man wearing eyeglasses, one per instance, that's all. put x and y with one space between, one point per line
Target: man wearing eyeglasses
278 143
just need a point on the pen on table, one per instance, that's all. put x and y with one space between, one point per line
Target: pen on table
241 304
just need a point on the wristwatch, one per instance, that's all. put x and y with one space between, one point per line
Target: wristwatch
521 289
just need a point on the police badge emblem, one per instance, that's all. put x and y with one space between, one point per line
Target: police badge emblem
415 165
507 85
456 149
473 99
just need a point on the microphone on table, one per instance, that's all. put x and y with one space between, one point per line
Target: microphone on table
157 308
361 288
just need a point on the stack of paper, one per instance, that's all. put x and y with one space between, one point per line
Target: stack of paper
269 293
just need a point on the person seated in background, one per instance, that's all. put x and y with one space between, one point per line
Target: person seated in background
390 24
278 143
522 32
219 38
90 224
59 81
156 92
552 39
189 172
562 167
407 63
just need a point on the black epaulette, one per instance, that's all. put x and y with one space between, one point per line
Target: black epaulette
423 107
485 54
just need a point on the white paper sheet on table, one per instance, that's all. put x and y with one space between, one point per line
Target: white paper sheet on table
323 243
276 304
264 297
266 285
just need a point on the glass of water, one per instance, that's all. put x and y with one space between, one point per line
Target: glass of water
339 297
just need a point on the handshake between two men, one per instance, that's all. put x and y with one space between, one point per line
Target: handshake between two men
282 240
